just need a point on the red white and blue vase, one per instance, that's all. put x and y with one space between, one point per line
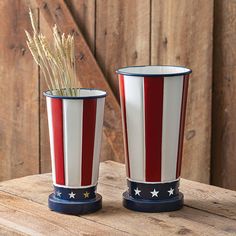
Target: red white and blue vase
153 103
75 131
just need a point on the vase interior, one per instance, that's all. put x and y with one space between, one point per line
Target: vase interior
154 70
81 93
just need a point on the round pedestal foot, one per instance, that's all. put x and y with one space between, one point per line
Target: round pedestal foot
74 207
142 205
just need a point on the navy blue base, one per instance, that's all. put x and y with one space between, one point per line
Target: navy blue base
144 205
75 207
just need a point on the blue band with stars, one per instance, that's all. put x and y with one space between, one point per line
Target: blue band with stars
75 194
156 191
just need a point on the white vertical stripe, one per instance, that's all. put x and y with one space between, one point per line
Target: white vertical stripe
144 134
135 125
72 131
172 100
51 138
97 139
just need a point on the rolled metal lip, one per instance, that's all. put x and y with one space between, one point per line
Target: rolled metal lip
142 71
103 94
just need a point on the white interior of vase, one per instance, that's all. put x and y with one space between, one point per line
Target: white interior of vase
80 93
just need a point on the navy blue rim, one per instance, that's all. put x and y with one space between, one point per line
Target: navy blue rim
154 75
46 93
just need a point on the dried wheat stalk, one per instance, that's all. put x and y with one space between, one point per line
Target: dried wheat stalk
56 62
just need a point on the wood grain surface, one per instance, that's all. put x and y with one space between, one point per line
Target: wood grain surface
208 210
19 111
84 14
182 35
224 103
122 36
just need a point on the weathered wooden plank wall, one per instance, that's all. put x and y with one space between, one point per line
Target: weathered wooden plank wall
121 33
122 36
84 13
224 102
19 109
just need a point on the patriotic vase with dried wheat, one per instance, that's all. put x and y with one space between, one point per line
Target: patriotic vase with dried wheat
75 120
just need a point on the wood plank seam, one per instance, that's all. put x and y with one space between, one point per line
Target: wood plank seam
95 30
29 199
221 215
123 231
150 33
39 102
13 232
16 227
26 212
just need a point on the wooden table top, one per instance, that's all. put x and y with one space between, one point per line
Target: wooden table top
208 210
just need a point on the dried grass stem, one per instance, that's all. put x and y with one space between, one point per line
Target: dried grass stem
57 62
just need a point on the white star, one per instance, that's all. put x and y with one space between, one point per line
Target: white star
58 193
154 193
171 191
137 191
72 195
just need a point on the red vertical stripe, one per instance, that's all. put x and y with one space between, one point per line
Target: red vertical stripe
122 100
153 110
181 127
57 127
89 123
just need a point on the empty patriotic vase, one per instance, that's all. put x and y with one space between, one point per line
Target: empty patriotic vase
75 131
153 104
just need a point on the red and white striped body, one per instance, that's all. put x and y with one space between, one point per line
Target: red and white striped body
153 113
75 130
